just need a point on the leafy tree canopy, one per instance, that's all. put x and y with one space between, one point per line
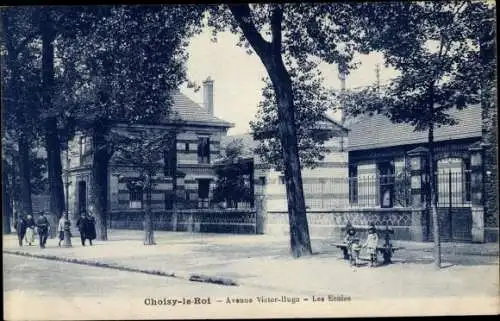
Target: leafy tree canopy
434 47
311 101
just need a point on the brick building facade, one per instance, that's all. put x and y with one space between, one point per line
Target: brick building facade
381 153
198 145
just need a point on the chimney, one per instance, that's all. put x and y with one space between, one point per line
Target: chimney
342 77
208 95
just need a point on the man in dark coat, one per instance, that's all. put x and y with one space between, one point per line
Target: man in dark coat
43 226
81 223
21 228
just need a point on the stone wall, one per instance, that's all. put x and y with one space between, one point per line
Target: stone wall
241 221
406 223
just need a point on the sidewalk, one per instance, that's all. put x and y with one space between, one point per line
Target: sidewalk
264 261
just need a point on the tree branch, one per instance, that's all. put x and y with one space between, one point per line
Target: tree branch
242 15
8 39
27 39
276 19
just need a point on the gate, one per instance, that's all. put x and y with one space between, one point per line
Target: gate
454 206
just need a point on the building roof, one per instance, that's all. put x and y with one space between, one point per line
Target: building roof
328 123
378 131
325 124
187 110
247 141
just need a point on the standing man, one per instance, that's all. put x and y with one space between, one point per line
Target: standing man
81 223
43 226
21 228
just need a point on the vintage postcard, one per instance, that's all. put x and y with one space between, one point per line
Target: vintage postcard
249 160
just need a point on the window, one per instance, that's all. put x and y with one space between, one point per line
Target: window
81 144
262 180
136 198
203 189
186 147
353 184
169 200
170 159
203 150
281 179
386 181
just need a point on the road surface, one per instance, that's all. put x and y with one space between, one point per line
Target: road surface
43 289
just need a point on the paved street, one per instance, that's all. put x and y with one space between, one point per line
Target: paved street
38 288
260 264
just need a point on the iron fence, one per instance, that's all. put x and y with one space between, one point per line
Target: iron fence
453 190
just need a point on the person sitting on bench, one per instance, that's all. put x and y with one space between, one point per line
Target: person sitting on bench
353 247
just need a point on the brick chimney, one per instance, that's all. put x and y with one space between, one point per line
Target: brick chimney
208 95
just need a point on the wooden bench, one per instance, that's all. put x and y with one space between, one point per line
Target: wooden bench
386 250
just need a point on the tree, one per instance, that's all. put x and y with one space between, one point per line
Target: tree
30 33
234 175
298 31
143 150
432 45
311 101
20 85
126 75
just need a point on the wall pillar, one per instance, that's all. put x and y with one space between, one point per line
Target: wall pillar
419 219
178 197
477 204
260 207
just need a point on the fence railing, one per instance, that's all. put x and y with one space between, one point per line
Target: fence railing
453 189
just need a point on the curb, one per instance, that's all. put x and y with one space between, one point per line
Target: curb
189 277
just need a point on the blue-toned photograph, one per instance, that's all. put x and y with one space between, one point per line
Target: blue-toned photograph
249 160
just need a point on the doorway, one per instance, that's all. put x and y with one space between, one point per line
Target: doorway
82 197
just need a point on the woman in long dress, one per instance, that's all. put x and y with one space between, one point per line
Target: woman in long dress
30 230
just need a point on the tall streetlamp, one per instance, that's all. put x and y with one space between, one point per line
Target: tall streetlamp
67 224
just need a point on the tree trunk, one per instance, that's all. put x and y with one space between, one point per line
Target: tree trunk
433 194
56 188
6 201
299 230
99 186
270 55
25 173
51 132
149 238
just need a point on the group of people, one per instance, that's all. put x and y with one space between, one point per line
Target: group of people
26 228
86 226
354 246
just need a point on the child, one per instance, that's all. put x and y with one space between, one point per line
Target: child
371 245
60 229
30 230
352 245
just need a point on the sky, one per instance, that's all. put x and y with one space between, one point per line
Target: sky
238 77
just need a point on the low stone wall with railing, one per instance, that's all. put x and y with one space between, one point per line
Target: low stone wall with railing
407 223
239 221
